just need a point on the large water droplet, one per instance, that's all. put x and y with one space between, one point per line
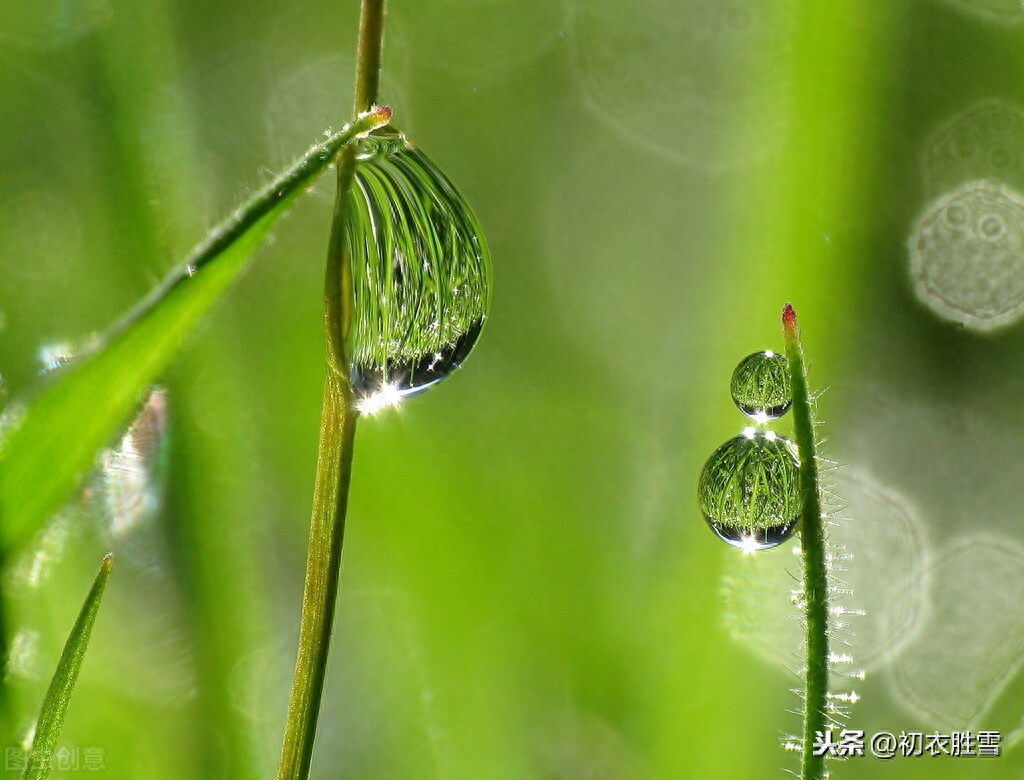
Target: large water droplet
748 490
761 386
421 274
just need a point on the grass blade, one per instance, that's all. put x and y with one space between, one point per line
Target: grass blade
58 695
52 449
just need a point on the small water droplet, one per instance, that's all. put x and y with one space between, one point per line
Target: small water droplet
761 387
748 491
421 274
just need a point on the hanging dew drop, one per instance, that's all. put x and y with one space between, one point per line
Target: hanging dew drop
761 386
748 490
421 274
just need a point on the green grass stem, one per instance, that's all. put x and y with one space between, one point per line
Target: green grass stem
337 437
812 541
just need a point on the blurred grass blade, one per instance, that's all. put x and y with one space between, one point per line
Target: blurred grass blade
58 695
53 447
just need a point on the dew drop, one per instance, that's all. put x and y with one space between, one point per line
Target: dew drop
748 491
421 274
761 387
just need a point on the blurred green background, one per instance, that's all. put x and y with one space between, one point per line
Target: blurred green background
529 590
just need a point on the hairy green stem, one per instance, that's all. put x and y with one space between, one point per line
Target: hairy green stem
301 173
337 437
812 542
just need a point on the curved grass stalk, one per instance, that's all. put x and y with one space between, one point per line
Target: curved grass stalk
337 437
812 541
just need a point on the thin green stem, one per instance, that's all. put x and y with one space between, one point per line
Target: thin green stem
368 54
323 567
337 438
812 540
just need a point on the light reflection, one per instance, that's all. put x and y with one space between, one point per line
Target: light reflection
388 395
749 544
53 356
130 489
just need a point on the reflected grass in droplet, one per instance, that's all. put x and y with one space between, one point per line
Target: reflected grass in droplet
761 386
421 274
748 491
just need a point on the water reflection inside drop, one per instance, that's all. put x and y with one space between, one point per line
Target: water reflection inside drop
380 387
748 491
420 274
760 386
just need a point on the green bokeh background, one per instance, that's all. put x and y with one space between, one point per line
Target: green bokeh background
529 590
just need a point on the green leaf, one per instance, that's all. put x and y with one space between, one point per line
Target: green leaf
58 695
54 445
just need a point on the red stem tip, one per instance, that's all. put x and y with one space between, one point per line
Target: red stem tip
789 320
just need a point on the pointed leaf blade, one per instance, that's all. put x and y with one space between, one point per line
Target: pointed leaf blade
58 695
52 448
